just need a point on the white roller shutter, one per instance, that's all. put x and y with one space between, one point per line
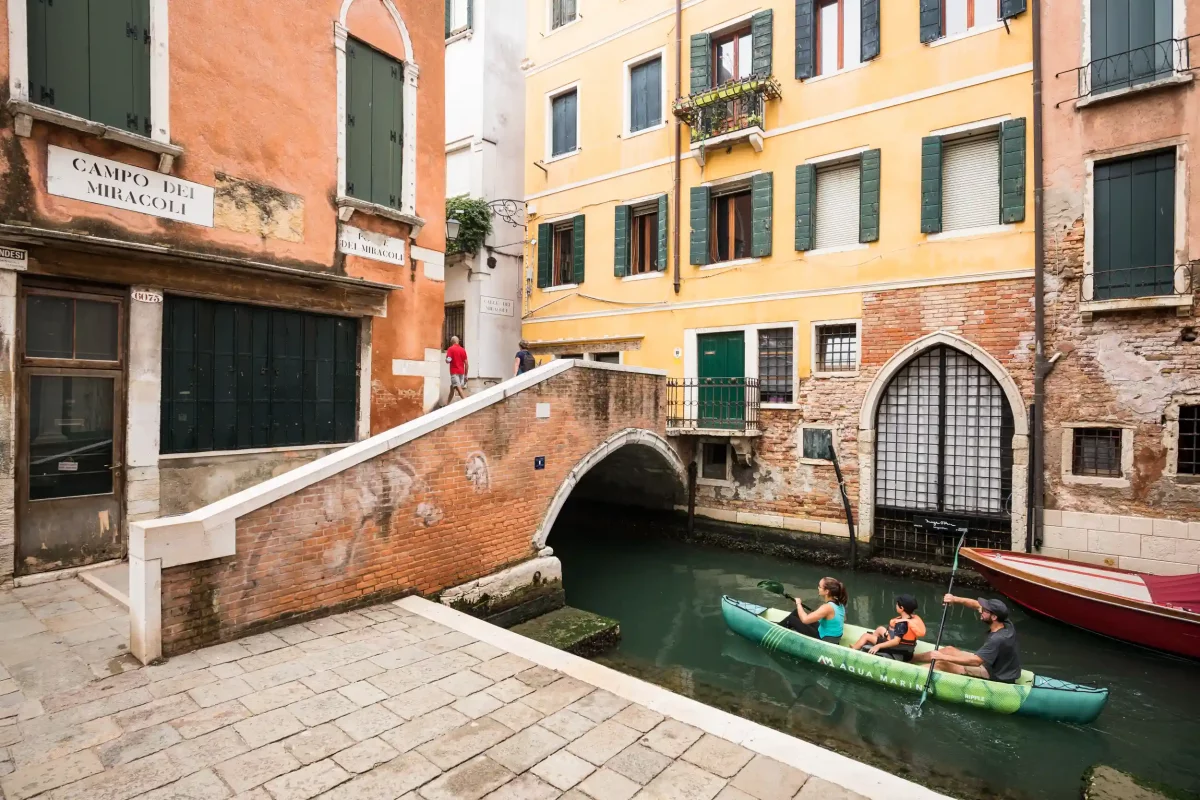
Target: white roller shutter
837 206
971 183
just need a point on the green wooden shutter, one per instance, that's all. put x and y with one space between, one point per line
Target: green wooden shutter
761 30
698 254
141 66
578 261
358 120
1012 171
762 203
931 20
118 72
806 201
1011 8
663 233
621 242
545 257
395 141
384 90
806 51
931 184
701 81
868 197
58 55
870 30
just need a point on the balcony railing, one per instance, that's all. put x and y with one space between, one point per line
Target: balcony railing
713 405
731 107
1132 68
1129 283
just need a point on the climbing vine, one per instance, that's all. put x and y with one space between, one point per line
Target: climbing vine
474 223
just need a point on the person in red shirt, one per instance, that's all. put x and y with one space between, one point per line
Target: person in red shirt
456 357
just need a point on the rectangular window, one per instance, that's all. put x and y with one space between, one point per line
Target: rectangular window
733 56
374 125
714 461
561 12
1189 441
1096 452
1133 242
971 182
238 376
818 444
960 16
564 122
837 348
838 190
730 217
459 14
775 365
564 254
839 35
91 58
1132 42
570 357
453 324
607 358
59 326
645 95
643 240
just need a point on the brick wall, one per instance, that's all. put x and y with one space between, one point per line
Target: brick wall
453 505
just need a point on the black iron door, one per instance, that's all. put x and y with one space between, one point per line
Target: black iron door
943 448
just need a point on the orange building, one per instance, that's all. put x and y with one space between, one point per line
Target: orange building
221 252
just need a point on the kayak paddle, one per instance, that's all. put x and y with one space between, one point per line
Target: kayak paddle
941 628
775 587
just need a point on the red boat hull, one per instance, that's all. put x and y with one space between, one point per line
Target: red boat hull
1144 628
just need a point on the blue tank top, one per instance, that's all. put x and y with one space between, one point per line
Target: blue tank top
827 628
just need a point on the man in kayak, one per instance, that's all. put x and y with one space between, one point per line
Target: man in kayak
899 639
826 623
998 660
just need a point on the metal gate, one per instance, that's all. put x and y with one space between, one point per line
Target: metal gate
944 435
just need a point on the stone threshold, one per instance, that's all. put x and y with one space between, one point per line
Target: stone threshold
825 764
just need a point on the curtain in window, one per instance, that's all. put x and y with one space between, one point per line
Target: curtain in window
645 95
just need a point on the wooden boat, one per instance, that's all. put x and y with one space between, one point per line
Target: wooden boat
1031 696
1157 611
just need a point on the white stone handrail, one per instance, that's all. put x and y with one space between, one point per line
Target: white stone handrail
210 532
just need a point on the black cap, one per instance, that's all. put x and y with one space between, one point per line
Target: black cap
907 602
994 607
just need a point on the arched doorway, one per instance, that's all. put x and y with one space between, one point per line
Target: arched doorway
943 441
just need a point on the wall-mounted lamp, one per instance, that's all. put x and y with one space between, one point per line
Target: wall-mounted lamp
452 229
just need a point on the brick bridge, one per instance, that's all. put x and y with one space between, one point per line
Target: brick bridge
457 502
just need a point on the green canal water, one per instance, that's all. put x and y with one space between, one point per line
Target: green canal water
666 594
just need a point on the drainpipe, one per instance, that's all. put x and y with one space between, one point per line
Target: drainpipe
678 132
1037 450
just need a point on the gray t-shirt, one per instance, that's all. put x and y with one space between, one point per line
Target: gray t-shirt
1000 654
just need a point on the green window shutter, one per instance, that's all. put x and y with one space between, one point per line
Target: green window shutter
762 203
621 242
701 43
385 169
1012 171
358 120
141 66
1011 8
870 30
578 261
868 197
806 201
761 34
931 184
931 20
395 141
545 257
118 71
806 51
663 233
58 55
698 254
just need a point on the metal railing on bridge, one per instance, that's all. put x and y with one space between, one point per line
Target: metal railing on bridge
713 406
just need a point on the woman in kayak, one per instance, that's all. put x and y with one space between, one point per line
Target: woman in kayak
827 621
899 639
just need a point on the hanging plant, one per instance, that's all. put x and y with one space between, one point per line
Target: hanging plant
474 223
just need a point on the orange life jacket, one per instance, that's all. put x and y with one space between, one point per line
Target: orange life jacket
916 628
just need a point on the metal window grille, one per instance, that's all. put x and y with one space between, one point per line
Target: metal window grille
837 348
775 365
1096 452
453 324
1189 441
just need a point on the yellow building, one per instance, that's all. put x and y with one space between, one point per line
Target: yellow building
847 259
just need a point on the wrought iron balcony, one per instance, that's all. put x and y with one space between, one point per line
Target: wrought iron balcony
1137 67
1138 282
730 112
713 406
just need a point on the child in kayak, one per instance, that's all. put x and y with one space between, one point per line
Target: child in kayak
826 623
899 639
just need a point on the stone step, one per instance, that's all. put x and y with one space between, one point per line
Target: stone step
574 630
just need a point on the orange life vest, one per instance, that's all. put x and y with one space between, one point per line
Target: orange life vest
916 628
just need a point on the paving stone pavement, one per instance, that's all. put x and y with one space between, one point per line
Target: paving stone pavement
377 704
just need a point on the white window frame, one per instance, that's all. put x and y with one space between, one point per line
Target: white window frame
1068 452
728 479
455 29
26 111
627 73
814 341
691 363
551 96
815 426
407 213
1088 304
550 30
832 161
976 30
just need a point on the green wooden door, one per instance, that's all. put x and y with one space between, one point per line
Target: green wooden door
722 401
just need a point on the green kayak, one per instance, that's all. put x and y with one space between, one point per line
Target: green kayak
1031 696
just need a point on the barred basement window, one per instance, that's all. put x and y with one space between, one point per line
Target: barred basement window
714 461
1096 452
607 358
837 348
775 365
453 324
1189 441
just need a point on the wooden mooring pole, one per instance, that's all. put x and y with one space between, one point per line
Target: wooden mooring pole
691 489
837 470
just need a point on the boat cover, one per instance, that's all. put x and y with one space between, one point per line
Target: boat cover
1177 591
